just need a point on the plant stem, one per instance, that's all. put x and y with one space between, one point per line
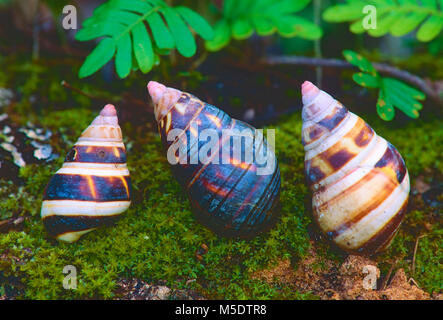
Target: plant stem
36 33
317 43
406 76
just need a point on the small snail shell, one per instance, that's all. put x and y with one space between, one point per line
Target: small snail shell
359 181
93 186
229 198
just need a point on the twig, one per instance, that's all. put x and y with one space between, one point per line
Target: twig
388 276
67 85
337 63
415 252
414 282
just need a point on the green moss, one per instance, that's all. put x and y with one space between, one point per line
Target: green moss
157 237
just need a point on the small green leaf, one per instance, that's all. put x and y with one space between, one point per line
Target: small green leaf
403 104
359 61
197 23
357 27
430 29
184 40
263 26
385 109
400 86
101 54
242 29
409 23
222 36
401 99
291 26
385 23
142 47
97 30
345 12
366 80
162 36
123 57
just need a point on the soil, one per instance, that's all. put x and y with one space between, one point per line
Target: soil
350 281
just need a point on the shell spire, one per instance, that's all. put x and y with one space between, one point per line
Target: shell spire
163 98
93 186
359 181
229 195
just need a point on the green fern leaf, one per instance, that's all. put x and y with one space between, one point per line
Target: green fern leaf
359 61
222 35
430 29
385 23
98 30
342 13
243 17
125 24
263 26
102 53
393 93
407 24
385 109
242 29
162 36
123 57
366 80
142 48
184 40
196 22
398 17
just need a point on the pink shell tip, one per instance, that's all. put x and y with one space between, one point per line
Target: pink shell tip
156 90
108 111
306 87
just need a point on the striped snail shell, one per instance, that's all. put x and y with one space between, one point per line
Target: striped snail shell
359 181
93 187
230 198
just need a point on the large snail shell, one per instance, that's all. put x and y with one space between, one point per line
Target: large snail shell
229 198
359 181
93 186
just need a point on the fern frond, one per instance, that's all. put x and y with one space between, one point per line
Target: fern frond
241 18
398 17
392 92
128 27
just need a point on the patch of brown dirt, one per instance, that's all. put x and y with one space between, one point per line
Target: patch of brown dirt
357 278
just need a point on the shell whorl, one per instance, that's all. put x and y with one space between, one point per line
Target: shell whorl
359 181
93 186
228 198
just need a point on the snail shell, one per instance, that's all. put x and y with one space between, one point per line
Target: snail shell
359 181
93 187
229 198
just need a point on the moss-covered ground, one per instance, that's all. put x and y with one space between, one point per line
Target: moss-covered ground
158 237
